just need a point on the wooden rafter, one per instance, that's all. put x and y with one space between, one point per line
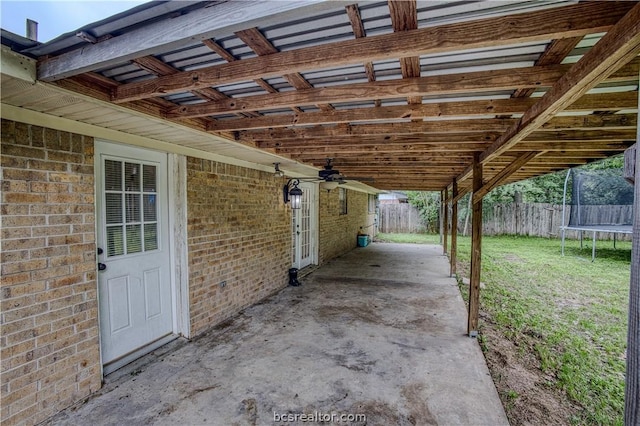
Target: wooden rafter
422 146
404 17
570 21
612 101
353 12
567 123
464 83
500 177
554 54
259 44
157 67
224 54
616 48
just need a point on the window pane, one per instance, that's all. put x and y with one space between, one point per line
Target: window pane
112 175
134 239
115 242
132 176
114 208
150 236
149 178
150 208
133 207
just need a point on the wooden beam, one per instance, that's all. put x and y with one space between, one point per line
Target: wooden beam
404 17
476 252
353 12
570 21
455 141
461 193
255 40
445 193
632 385
479 193
462 83
173 32
454 230
606 101
441 218
224 54
442 147
616 48
157 67
588 122
554 54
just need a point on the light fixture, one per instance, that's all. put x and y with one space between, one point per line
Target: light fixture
292 194
278 172
329 185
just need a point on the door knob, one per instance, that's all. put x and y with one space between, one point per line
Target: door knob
101 266
100 251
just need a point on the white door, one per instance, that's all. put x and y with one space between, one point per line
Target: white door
305 227
134 286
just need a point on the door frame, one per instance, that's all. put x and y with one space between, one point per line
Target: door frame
314 224
177 225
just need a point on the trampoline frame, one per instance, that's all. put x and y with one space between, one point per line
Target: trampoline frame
614 229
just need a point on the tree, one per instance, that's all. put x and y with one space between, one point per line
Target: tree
547 188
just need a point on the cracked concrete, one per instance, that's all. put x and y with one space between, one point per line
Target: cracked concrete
379 331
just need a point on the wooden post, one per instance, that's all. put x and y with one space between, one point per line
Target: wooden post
441 215
445 228
476 251
454 227
632 390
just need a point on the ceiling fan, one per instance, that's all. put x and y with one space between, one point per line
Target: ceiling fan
327 174
328 177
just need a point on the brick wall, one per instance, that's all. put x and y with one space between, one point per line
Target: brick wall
239 231
49 320
338 232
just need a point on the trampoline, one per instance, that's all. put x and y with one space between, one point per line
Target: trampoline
601 201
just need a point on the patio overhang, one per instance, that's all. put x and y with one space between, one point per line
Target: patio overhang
403 94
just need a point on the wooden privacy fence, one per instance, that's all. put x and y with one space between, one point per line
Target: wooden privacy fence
400 218
545 220
532 219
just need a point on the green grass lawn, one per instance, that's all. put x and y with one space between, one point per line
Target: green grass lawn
569 312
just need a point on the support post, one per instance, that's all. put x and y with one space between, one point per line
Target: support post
454 228
632 390
441 215
445 228
476 252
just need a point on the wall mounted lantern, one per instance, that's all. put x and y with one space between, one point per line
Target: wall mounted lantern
291 193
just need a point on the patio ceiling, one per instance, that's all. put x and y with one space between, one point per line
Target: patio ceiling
405 93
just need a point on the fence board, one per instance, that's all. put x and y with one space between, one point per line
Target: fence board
400 218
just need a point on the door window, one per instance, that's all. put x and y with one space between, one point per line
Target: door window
131 207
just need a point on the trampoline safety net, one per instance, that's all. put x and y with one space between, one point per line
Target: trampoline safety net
600 197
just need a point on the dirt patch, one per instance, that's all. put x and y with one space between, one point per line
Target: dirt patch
417 405
526 392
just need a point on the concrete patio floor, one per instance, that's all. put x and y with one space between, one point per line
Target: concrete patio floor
379 331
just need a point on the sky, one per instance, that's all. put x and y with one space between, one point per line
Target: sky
56 17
